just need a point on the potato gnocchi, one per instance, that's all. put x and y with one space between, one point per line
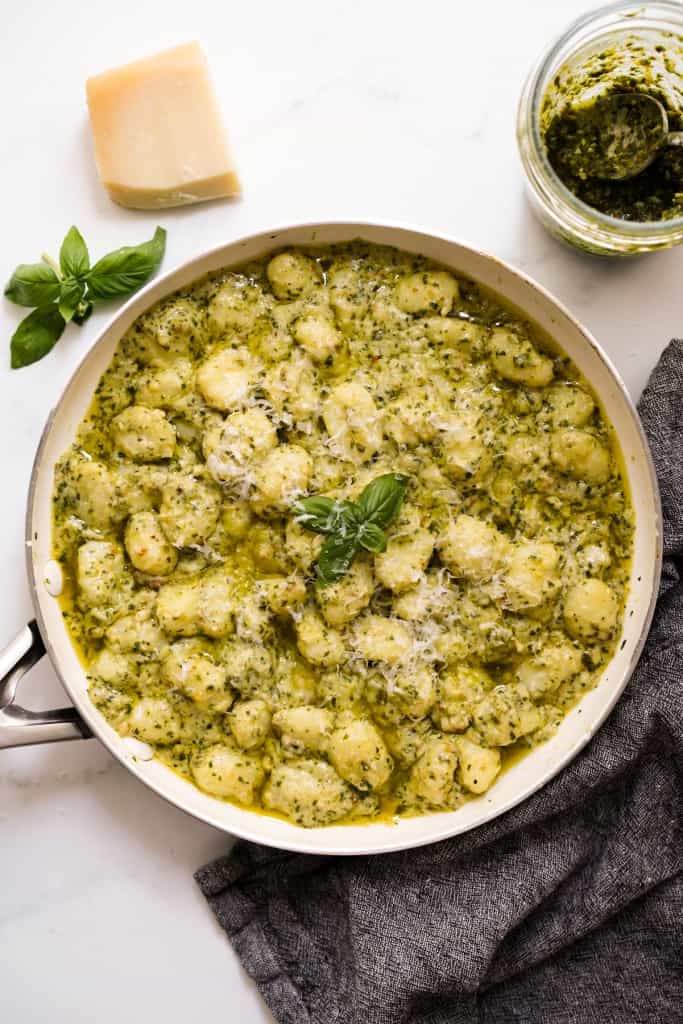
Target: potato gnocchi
407 686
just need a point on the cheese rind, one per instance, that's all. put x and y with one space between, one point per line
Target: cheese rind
159 138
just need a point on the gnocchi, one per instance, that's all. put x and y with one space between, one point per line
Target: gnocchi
147 547
189 510
353 421
460 628
144 434
305 728
250 722
471 548
342 601
580 455
515 359
403 563
427 291
226 377
282 477
225 770
100 566
591 610
292 274
234 446
317 335
154 720
308 792
359 754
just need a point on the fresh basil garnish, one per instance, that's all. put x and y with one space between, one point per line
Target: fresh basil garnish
73 255
314 513
65 291
335 558
35 336
125 270
381 500
325 515
350 525
33 284
372 538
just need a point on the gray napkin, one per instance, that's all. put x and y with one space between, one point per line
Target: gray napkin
566 910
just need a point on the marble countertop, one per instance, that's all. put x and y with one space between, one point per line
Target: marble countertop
354 110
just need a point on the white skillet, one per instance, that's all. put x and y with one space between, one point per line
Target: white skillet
18 727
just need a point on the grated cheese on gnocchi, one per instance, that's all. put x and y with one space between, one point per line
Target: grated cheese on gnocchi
190 590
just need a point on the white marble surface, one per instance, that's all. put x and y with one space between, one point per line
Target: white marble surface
381 110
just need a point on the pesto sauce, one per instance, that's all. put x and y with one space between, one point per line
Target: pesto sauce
354 702
573 127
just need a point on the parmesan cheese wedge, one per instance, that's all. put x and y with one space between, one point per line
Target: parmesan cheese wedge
159 138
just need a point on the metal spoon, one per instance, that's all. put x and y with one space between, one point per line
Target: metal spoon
630 131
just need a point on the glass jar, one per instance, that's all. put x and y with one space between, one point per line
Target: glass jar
559 210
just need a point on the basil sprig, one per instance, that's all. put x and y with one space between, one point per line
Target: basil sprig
65 291
351 525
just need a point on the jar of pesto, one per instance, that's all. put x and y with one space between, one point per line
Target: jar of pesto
621 48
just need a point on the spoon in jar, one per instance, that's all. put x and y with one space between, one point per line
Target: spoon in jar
622 134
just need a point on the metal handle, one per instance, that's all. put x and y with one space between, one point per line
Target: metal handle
19 727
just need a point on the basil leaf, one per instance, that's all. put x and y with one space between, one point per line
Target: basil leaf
73 255
351 525
381 500
70 295
35 336
335 558
314 513
372 538
344 519
125 270
33 284
325 515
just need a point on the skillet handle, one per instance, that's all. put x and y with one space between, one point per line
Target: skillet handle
19 727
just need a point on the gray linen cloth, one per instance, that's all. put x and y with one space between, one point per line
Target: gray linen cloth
566 910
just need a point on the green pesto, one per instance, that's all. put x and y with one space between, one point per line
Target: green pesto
405 686
575 126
